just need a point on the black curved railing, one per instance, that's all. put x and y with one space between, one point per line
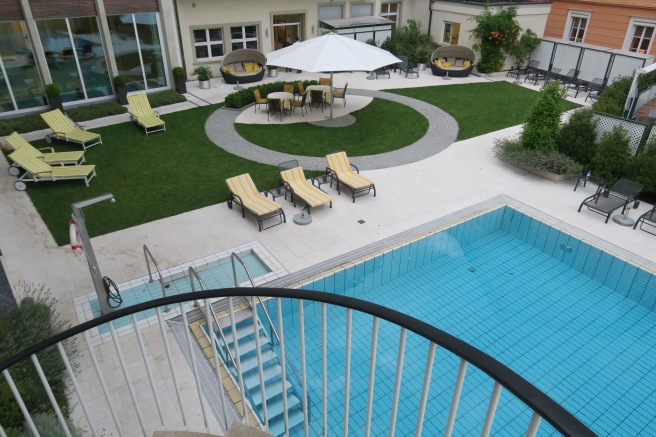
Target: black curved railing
541 404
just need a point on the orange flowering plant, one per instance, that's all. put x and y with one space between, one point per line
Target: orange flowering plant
498 34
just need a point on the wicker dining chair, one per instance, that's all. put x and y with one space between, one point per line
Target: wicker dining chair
258 99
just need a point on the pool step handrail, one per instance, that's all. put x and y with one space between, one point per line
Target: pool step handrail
304 399
194 274
148 254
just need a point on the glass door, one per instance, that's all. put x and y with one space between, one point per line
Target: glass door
287 26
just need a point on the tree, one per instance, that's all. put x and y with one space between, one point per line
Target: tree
498 34
543 121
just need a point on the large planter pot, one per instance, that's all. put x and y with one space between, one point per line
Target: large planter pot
55 102
204 84
553 177
421 66
121 94
180 84
272 73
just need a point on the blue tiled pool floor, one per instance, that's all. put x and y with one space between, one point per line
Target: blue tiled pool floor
544 313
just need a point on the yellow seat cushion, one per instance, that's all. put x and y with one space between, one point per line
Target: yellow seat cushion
447 64
229 70
467 63
251 67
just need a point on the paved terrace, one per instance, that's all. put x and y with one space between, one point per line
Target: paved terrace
409 195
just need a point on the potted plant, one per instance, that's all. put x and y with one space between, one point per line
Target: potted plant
121 91
53 93
180 79
272 71
204 74
423 54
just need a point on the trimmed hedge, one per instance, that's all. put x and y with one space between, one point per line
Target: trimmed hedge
164 98
26 123
95 110
245 97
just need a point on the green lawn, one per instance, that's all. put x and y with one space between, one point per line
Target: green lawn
169 173
479 108
152 177
375 131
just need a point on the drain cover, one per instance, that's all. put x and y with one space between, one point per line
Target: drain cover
361 221
471 269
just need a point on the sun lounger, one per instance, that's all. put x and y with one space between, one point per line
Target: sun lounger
143 114
36 170
607 200
295 182
51 158
65 129
346 174
647 219
246 195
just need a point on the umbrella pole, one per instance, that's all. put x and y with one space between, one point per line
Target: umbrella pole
331 95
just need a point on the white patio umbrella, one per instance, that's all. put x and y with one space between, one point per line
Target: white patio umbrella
331 52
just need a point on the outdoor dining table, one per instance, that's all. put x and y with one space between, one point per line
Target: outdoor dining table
324 88
284 98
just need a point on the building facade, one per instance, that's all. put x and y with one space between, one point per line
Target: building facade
628 25
81 45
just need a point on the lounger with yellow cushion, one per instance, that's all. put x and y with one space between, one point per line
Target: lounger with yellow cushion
246 195
347 174
142 113
52 158
64 129
36 170
296 183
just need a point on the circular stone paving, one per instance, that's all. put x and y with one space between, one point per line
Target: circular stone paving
442 132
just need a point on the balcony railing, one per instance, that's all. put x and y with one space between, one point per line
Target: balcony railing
138 384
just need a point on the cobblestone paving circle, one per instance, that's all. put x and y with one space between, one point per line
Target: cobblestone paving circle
442 132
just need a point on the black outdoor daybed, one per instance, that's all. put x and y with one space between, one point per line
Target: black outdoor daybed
243 66
457 61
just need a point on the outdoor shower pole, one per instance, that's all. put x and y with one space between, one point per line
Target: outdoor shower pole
105 308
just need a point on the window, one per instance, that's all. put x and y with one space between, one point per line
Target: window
244 37
208 43
75 57
640 36
331 12
362 9
578 23
137 50
20 85
451 33
391 12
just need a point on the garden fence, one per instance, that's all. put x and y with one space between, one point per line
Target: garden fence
590 62
639 133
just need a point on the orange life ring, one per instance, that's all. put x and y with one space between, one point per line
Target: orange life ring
74 234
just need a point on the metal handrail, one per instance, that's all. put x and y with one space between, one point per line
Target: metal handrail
147 253
193 273
234 256
561 419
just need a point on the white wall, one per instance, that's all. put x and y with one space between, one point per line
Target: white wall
532 17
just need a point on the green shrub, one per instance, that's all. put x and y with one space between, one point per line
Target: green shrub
167 97
612 155
26 123
412 41
642 167
52 90
578 137
179 71
513 152
497 34
613 98
95 110
118 81
543 120
245 97
48 426
32 321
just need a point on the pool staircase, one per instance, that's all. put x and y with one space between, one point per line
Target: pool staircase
254 352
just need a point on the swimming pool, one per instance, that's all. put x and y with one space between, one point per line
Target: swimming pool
574 320
215 271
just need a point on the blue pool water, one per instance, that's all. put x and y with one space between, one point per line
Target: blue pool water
575 321
218 275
